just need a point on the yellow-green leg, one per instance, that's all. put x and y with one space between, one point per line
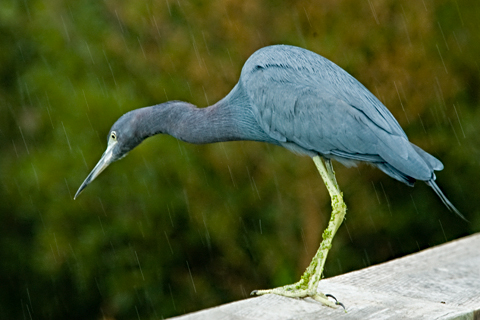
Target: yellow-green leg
308 284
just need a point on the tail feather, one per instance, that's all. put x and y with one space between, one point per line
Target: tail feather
394 173
444 199
433 162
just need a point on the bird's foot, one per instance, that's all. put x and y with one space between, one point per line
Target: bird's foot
296 291
308 284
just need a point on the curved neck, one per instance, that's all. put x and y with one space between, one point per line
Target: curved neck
220 122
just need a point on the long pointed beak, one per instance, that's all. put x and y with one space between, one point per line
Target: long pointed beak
105 160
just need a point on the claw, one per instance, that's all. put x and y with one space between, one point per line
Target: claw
338 303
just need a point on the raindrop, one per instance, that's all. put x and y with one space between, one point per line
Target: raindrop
168 7
207 235
195 49
101 225
456 40
230 56
66 183
386 198
29 313
65 28
56 244
141 47
414 204
405 26
458 118
442 59
53 254
140 226
253 184
15 148
170 215
86 101
68 141
206 46
139 266
110 66
89 52
98 288
48 109
114 251
156 26
373 12
454 131
304 241
459 14
119 22
191 277
189 89
425 5
171 295
36 176
43 222
308 18
138 314
421 122
83 157
401 103
168 241
206 97
376 193
368 263
231 176
187 202
103 208
244 293
24 141
441 226
443 35
29 17
73 252
29 299
340 269
348 231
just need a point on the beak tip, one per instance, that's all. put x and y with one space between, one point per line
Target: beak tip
79 190
105 160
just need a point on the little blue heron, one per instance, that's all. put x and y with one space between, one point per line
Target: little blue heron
291 97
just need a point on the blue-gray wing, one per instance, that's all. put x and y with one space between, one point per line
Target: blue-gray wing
322 109
297 66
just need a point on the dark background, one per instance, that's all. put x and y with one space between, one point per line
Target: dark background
176 227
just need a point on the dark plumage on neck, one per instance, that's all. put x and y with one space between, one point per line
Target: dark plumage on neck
222 121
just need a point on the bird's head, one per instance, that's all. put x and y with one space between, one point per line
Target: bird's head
124 135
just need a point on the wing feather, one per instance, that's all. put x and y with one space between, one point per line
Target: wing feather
340 118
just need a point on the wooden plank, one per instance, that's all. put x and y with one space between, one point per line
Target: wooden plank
438 283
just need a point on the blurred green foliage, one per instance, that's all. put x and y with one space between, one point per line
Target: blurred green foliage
175 227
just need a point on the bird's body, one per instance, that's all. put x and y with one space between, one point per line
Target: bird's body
293 98
310 105
297 99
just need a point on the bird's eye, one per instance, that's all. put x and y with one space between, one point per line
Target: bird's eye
113 136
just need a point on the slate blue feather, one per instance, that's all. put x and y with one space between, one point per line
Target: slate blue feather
294 98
